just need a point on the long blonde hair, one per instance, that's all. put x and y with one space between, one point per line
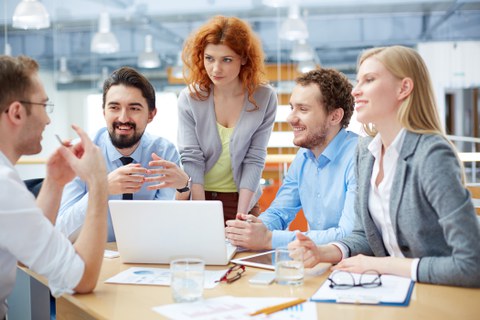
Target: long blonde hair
418 113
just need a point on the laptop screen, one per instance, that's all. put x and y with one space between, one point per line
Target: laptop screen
158 231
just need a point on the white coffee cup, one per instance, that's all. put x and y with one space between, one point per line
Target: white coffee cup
289 268
187 279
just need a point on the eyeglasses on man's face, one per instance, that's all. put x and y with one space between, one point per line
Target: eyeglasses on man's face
47 105
233 274
345 280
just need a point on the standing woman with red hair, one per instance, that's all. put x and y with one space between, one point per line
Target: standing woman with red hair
226 115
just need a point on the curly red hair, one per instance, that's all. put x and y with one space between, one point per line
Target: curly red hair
238 36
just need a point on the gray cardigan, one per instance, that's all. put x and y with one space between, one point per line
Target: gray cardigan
432 214
200 146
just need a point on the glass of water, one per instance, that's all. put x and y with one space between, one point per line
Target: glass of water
187 279
289 266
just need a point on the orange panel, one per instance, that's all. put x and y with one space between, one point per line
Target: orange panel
299 223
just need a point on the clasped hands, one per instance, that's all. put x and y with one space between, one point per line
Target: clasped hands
331 253
249 232
130 178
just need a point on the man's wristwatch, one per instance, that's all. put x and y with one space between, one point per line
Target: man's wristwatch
187 187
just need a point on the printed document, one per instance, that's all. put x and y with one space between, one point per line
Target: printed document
159 277
235 308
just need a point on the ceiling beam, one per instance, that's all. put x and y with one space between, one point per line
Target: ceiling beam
427 35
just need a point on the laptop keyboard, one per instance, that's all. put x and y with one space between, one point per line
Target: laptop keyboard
230 248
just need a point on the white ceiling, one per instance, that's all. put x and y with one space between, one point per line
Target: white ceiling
338 29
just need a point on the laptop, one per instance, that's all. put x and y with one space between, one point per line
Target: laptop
159 231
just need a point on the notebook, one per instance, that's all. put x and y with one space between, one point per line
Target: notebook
159 231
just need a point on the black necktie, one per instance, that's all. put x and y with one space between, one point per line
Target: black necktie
125 161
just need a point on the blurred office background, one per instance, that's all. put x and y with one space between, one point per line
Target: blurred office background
79 42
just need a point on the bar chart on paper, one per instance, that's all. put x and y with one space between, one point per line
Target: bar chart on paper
234 308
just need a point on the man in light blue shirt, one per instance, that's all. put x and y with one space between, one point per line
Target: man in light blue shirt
141 166
321 178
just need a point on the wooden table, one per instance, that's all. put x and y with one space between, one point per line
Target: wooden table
113 301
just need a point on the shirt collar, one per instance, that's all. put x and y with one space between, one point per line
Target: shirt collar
330 152
5 160
375 146
114 154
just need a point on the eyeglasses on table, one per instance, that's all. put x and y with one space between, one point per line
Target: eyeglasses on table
233 274
345 280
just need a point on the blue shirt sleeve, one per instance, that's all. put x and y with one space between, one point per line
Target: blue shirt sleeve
75 196
286 204
325 188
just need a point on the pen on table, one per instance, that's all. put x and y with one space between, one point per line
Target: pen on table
65 144
278 307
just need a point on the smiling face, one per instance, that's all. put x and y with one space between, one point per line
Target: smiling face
222 64
36 121
127 115
377 94
308 117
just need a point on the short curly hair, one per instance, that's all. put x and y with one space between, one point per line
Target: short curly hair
238 36
336 90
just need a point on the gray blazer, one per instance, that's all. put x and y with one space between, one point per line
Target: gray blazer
432 214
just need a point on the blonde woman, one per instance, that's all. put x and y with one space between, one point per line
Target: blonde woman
414 216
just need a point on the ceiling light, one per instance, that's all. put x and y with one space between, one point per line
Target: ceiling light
148 58
8 49
64 75
104 76
104 41
306 66
30 14
177 70
301 51
294 28
276 3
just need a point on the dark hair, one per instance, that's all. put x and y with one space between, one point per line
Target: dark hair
335 88
15 79
130 77
238 36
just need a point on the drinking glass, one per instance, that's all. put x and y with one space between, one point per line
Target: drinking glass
187 279
289 268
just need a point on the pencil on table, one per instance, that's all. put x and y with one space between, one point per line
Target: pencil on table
278 307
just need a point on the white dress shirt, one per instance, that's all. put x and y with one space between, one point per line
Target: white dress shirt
26 235
379 196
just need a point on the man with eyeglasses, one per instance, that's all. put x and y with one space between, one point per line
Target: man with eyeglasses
140 166
27 233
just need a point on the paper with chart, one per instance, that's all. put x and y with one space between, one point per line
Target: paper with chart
159 277
235 308
394 290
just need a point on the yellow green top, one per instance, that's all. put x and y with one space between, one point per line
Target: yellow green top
220 177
